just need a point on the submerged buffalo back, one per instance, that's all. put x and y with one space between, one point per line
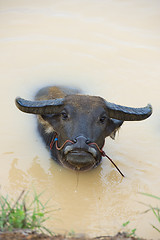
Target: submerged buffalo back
54 92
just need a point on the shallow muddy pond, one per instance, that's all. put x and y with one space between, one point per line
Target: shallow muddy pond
106 48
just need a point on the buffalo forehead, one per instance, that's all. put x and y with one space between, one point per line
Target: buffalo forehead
85 102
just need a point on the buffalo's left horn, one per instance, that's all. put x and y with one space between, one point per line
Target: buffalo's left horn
128 113
39 107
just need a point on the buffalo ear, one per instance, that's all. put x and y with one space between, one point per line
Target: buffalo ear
113 127
113 134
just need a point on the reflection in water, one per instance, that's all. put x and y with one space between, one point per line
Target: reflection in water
105 48
16 176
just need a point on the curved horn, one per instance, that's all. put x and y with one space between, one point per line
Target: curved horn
39 107
128 113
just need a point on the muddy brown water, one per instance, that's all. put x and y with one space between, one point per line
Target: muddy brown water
106 48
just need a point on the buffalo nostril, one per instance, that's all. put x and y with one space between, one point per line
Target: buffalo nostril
87 141
74 140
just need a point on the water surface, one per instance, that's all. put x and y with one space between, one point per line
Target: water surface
106 48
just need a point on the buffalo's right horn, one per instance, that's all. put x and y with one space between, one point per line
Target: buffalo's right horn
39 107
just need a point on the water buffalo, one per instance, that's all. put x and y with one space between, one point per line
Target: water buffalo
75 126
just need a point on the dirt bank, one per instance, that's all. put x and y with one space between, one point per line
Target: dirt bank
28 235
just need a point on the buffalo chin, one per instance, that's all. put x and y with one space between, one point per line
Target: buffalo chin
79 161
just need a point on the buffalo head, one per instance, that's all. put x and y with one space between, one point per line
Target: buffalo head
73 122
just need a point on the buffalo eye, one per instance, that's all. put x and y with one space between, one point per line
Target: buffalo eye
102 119
48 116
64 115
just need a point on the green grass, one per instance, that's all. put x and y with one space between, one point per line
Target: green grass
129 233
25 214
21 214
155 210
